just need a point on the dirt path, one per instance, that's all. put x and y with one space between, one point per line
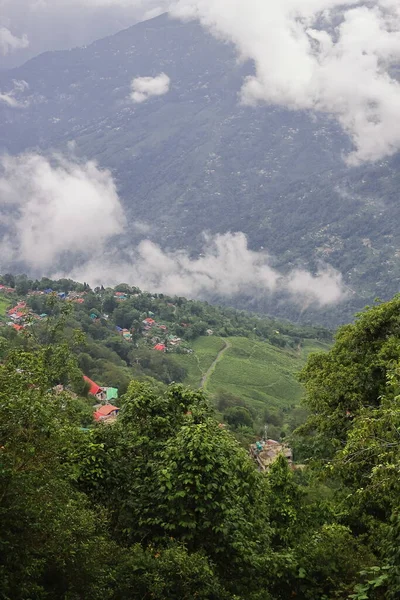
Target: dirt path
207 375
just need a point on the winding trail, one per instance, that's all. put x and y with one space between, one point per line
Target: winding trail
210 370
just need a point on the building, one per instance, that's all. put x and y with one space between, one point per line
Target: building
160 347
266 452
106 413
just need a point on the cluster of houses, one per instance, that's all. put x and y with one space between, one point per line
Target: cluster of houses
125 333
104 410
158 333
20 316
6 290
121 296
77 297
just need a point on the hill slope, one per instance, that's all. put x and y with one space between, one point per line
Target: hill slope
197 160
256 371
239 359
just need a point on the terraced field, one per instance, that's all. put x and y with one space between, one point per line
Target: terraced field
261 374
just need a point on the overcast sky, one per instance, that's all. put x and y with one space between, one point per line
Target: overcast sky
29 27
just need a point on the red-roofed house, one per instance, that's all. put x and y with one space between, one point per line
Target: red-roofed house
18 327
160 347
106 412
94 388
149 321
16 315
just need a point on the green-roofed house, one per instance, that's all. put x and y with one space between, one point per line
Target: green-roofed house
111 393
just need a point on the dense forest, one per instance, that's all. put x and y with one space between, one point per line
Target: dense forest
165 502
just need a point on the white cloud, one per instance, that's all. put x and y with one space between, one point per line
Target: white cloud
55 207
9 42
333 56
227 268
51 207
144 88
11 98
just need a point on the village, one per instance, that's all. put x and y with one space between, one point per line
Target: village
20 316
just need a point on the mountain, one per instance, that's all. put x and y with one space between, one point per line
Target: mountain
196 159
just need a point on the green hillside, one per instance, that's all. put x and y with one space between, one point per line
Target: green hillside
247 364
257 372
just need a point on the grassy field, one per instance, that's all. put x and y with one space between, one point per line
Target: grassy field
259 373
4 304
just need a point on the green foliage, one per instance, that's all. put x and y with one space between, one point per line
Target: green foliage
238 416
165 503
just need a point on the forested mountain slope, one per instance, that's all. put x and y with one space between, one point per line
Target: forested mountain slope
196 159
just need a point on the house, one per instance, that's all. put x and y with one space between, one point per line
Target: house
266 452
108 412
160 347
111 393
149 321
17 309
163 327
120 295
17 327
209 332
94 389
16 316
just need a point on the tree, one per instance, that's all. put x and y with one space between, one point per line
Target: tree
351 376
50 544
237 416
168 470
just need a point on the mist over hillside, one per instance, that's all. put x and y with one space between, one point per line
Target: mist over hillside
194 159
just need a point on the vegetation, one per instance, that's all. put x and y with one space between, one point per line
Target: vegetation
258 366
165 503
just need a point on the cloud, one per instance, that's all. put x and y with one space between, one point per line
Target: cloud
9 42
9 98
144 88
338 57
52 207
57 212
226 268
332 56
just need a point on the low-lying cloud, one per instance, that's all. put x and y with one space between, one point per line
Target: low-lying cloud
227 268
334 56
13 98
52 207
144 88
10 42
57 207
